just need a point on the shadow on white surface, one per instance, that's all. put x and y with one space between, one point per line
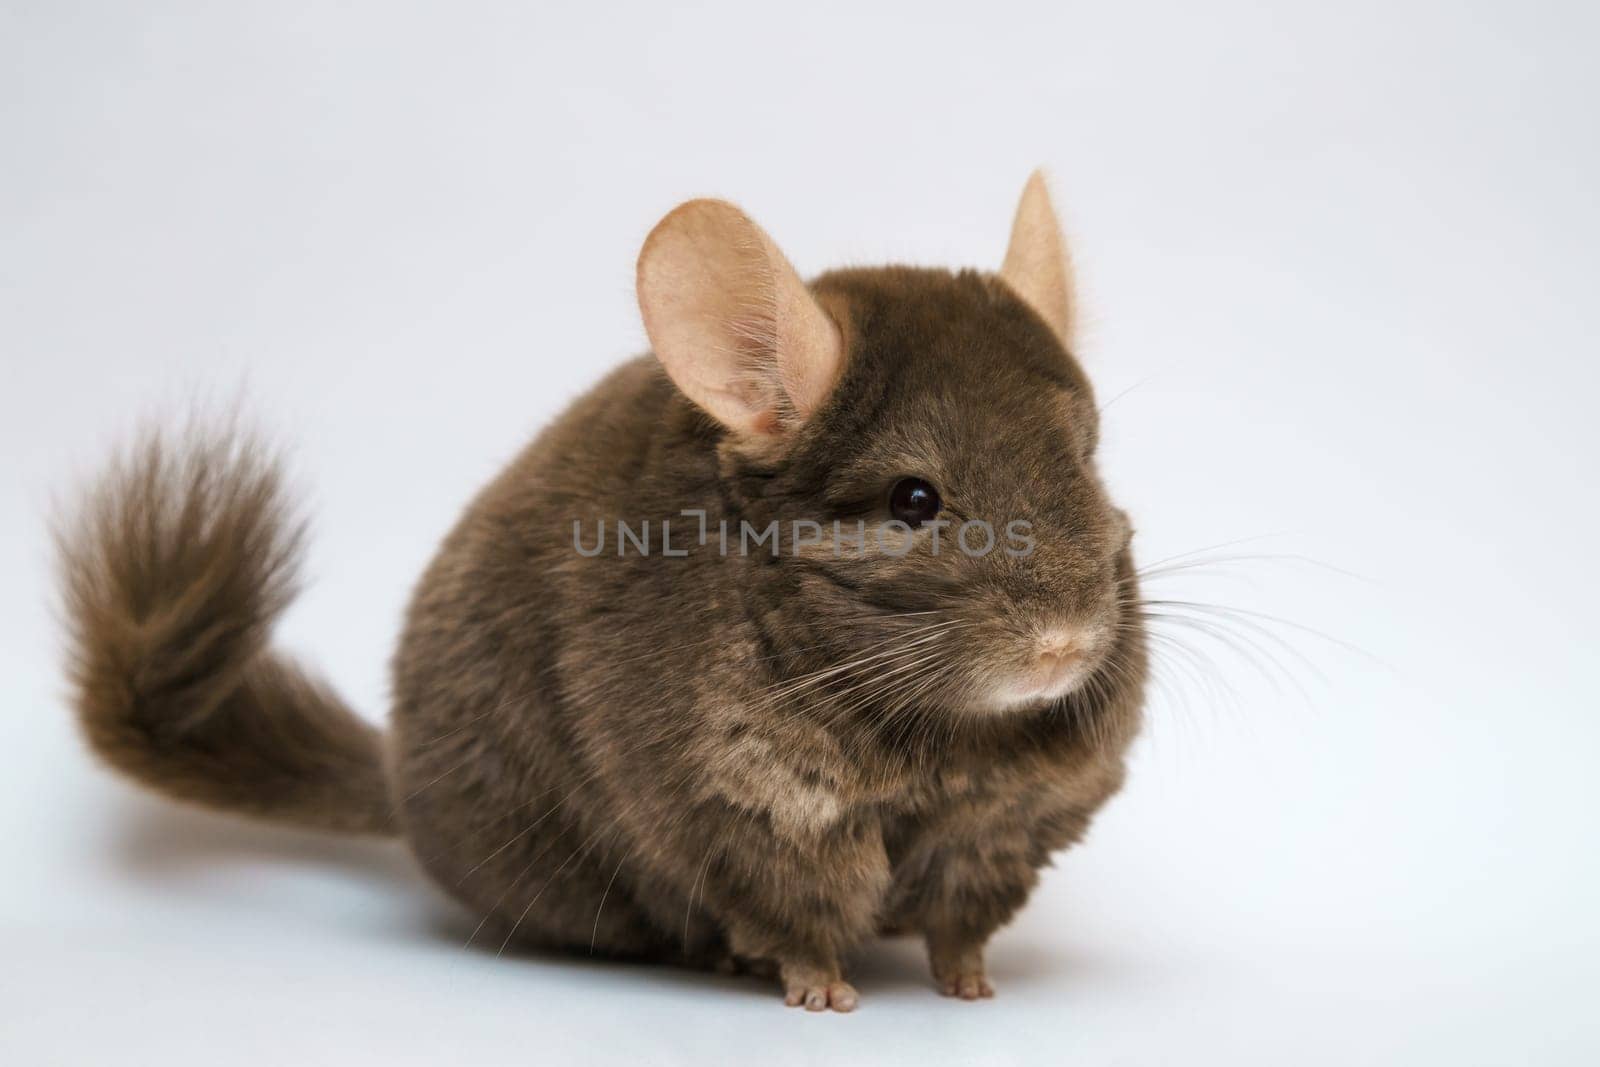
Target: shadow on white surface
224 864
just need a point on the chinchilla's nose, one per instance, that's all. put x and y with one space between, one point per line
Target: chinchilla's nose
1059 650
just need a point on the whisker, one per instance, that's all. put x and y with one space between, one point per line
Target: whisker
595 933
1219 609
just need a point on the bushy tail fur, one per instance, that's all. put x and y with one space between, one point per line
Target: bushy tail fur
176 566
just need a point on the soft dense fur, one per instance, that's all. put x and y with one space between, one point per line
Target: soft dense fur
743 761
174 571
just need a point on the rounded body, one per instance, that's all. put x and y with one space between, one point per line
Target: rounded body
643 753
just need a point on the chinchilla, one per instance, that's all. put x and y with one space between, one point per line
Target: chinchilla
719 671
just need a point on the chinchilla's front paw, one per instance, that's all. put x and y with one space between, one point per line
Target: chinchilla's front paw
817 988
958 970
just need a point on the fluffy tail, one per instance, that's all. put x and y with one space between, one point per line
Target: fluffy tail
174 570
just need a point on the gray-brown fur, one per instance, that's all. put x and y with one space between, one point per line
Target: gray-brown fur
648 756
174 570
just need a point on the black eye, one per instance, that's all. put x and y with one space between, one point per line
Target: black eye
913 501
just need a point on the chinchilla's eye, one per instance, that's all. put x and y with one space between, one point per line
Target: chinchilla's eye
913 501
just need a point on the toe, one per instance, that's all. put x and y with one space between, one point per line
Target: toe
817 988
842 996
966 987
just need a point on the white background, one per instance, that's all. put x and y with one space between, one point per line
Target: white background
1341 258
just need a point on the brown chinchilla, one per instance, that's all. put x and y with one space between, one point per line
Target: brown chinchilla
815 624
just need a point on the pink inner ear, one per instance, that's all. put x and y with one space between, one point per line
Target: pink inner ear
811 348
1036 266
731 322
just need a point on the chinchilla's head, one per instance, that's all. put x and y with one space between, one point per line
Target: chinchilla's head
924 441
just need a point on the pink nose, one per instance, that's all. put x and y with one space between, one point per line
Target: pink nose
1059 651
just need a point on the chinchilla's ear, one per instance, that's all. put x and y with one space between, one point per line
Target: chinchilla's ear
732 323
1036 266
